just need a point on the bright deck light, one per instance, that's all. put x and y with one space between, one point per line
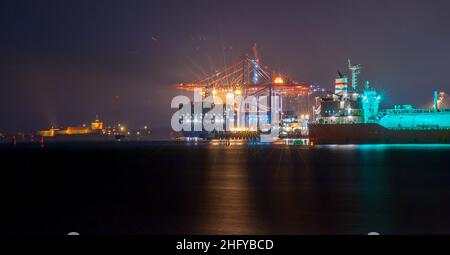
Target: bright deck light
278 80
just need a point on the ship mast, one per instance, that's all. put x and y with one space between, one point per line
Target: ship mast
355 69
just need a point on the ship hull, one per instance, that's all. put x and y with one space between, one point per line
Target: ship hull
374 134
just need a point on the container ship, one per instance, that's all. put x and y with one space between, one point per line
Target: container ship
351 115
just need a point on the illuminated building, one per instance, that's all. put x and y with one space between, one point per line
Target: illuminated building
97 124
96 128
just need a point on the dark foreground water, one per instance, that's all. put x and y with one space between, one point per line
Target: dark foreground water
163 188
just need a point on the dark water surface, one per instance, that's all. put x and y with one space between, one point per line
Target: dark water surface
166 188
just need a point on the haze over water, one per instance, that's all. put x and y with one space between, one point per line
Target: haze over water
168 188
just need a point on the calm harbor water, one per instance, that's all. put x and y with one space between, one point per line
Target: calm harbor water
168 188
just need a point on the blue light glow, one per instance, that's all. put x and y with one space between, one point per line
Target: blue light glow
386 146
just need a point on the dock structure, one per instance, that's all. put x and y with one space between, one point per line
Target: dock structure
249 77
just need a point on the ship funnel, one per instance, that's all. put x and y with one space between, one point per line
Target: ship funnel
436 99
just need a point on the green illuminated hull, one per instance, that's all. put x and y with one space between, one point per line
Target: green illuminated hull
374 134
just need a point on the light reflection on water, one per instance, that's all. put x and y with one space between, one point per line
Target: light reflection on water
349 189
387 146
228 196
236 188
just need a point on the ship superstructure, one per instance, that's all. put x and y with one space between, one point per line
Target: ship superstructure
348 104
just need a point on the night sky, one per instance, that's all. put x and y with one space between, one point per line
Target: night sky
62 62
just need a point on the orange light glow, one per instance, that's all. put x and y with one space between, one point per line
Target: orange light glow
278 80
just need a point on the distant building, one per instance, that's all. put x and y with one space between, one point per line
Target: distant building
97 124
96 127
